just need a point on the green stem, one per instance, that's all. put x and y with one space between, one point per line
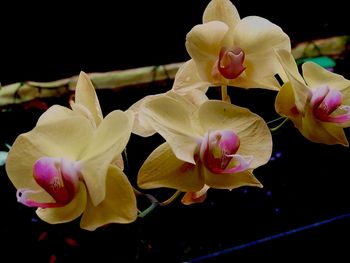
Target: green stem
171 199
155 202
224 93
279 125
277 119
148 210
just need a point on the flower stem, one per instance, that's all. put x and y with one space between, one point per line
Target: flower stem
224 95
274 120
148 210
279 125
155 202
171 198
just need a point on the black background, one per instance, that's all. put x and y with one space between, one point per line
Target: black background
45 41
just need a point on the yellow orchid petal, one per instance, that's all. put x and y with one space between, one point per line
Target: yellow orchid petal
141 126
301 91
170 117
64 138
109 140
322 132
256 141
187 79
119 162
258 38
203 43
288 62
231 181
163 169
285 104
316 76
83 111
113 133
190 198
196 97
337 133
85 94
66 213
221 10
243 81
257 35
346 96
254 135
188 84
119 205
55 113
216 115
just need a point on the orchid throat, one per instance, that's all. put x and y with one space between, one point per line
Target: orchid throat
59 177
218 152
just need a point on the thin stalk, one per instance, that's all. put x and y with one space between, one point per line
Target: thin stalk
279 125
155 202
224 95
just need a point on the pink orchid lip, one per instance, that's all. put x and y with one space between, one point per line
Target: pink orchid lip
325 101
230 63
218 152
59 177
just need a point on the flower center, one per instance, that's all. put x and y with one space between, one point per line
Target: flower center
59 177
218 152
230 63
326 105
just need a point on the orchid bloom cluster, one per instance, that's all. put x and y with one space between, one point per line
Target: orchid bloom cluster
70 165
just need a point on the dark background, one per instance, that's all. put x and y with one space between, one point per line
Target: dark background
47 41
304 183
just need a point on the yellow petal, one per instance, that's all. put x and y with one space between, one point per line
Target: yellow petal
85 94
231 181
257 35
66 213
316 76
258 38
322 132
221 10
113 133
346 96
255 137
301 91
203 43
285 104
245 81
187 79
171 118
55 113
163 169
256 141
196 97
108 141
141 126
119 162
190 198
83 111
119 205
337 133
64 138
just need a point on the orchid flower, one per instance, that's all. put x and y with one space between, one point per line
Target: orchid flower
186 84
229 51
66 166
318 103
190 198
214 145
